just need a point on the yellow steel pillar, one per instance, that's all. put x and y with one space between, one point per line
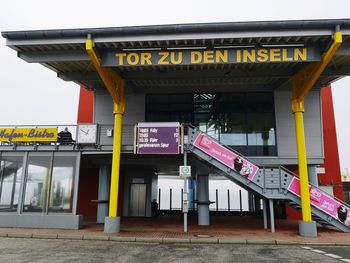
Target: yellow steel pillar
302 83
117 143
298 110
115 86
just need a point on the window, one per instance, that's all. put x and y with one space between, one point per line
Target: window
38 173
61 196
244 120
49 182
10 180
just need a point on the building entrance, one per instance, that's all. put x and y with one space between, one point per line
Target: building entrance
138 199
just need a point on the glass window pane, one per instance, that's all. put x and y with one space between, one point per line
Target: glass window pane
61 196
163 99
241 120
36 183
232 102
180 98
261 129
10 181
260 102
232 128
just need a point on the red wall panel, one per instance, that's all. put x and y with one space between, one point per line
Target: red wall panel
86 106
331 164
88 190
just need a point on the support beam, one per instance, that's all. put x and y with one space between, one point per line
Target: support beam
265 212
103 192
272 216
203 200
302 83
115 86
307 77
109 77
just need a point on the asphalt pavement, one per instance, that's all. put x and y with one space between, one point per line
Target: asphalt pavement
55 250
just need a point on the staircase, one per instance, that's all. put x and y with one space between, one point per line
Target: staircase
272 183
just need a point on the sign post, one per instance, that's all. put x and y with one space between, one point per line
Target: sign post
164 138
185 172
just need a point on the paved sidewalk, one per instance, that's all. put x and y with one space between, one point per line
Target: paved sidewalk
169 229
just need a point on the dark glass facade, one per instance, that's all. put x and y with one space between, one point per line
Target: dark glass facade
245 121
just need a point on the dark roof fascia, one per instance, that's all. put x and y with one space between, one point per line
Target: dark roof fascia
330 24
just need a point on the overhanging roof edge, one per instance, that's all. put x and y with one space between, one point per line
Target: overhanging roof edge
179 29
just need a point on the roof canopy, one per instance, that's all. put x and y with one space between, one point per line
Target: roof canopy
63 51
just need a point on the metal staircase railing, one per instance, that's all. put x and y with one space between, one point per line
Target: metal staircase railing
274 183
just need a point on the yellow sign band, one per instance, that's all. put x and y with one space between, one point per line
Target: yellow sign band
28 134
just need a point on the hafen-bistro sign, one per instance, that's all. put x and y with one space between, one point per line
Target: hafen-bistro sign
115 58
28 134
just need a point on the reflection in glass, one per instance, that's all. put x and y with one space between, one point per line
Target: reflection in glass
242 120
61 184
36 183
260 129
10 180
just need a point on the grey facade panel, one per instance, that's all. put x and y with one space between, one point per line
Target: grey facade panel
134 113
41 221
103 109
285 127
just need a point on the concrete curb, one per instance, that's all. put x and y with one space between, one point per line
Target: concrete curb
149 239
169 240
45 236
261 242
233 241
91 237
285 242
71 237
204 240
166 240
122 239
20 235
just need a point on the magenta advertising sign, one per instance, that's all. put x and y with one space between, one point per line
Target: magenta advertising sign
225 156
323 202
158 138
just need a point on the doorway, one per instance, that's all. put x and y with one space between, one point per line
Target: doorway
138 200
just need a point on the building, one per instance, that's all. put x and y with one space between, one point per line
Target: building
244 85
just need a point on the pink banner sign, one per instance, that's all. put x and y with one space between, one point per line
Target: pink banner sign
323 202
225 156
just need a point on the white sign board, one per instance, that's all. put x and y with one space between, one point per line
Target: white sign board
185 171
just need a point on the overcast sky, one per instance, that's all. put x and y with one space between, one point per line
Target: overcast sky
32 94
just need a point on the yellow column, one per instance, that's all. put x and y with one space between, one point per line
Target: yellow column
115 86
298 110
117 142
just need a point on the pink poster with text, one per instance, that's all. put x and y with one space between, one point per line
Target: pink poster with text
225 156
323 202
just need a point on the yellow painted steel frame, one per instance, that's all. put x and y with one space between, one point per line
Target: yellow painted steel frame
302 83
115 86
